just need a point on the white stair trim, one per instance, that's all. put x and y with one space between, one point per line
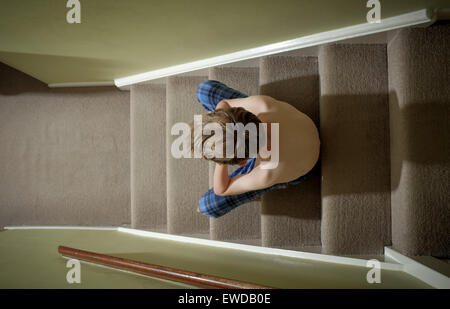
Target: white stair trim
82 84
418 270
419 17
262 250
63 227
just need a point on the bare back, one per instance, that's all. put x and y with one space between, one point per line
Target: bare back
299 143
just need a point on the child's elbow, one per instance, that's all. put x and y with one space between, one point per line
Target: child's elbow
220 188
219 192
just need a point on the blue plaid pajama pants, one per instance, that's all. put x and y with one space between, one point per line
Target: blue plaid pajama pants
209 94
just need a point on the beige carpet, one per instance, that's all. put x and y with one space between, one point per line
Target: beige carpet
354 127
242 223
291 216
64 154
187 179
148 157
419 79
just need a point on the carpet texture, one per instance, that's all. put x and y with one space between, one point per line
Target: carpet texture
64 154
354 126
187 179
291 216
148 157
419 79
243 222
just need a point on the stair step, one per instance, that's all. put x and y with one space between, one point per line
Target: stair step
354 127
64 154
419 79
187 178
243 222
148 157
291 216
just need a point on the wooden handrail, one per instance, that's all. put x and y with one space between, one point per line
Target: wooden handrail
162 272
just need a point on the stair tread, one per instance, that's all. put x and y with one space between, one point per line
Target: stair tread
244 221
354 128
291 216
148 156
419 66
187 178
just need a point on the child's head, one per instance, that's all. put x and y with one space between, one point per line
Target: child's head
233 115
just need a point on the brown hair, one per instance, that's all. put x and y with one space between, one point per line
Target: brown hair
232 115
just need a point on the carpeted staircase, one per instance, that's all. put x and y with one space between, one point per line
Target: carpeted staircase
383 113
345 208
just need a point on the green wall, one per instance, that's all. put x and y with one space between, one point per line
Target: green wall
29 259
120 38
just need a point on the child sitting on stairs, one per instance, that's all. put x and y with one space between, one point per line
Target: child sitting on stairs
298 147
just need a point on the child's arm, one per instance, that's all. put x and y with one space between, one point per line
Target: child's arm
221 178
255 180
259 102
222 104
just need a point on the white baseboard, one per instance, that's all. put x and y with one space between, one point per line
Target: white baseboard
405 20
263 250
82 84
62 227
418 270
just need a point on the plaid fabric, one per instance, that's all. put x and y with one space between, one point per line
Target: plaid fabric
215 205
209 94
